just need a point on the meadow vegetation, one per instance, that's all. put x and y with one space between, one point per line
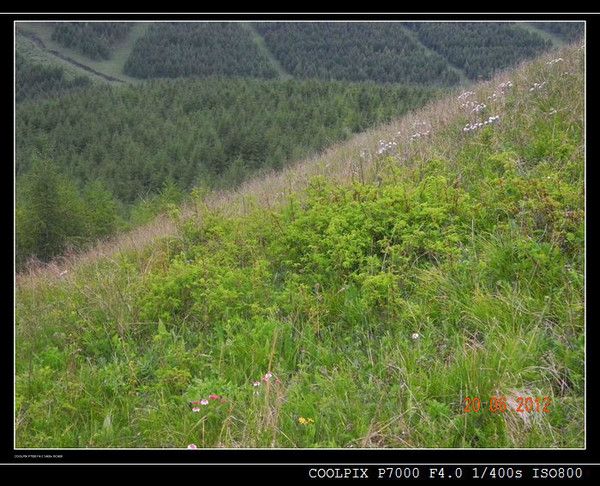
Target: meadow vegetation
436 258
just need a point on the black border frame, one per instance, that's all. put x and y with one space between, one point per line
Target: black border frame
275 457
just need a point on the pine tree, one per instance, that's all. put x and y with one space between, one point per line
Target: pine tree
50 213
101 210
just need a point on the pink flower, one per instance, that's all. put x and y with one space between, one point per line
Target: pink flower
204 401
192 446
256 383
196 409
214 396
267 377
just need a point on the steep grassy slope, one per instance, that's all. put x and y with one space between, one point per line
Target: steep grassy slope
434 259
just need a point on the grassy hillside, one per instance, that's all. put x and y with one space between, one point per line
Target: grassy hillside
355 300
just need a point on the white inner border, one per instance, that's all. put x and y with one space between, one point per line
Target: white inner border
303 448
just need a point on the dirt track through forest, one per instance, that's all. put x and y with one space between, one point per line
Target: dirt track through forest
40 43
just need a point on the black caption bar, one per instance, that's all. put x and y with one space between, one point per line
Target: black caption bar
453 472
375 472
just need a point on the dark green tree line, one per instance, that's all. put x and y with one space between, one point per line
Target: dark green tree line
183 49
140 140
567 31
53 215
94 39
36 81
480 48
354 51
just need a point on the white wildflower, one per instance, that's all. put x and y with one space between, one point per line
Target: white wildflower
537 86
465 95
478 107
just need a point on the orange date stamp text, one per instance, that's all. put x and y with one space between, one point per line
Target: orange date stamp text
500 404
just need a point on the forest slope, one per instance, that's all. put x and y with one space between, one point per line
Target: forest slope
127 144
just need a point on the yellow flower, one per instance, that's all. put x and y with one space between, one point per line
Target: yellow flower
305 421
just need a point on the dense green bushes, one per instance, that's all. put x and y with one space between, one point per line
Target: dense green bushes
183 49
54 216
370 229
